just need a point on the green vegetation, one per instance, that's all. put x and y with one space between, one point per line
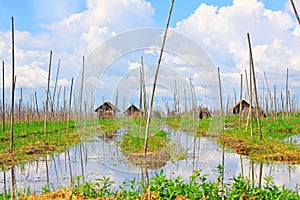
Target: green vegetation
272 147
133 140
162 187
30 141
188 124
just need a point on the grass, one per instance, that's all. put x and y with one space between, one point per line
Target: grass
30 141
162 187
272 147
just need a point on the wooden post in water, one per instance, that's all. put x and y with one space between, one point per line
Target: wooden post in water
155 79
47 96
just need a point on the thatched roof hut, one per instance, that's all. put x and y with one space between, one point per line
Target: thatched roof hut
132 112
107 110
236 108
245 109
204 113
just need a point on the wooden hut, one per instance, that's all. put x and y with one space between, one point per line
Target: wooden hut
204 113
107 110
245 109
132 112
236 108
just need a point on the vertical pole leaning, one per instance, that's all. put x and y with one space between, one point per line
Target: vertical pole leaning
47 96
295 11
155 79
255 90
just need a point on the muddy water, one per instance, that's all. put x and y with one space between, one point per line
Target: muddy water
103 157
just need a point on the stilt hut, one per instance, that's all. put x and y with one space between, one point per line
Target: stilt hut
236 108
107 110
132 112
204 113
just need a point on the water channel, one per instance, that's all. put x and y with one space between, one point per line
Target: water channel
103 157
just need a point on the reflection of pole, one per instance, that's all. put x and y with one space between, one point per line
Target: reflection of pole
4 184
81 162
70 166
47 171
260 174
155 79
252 171
242 167
13 182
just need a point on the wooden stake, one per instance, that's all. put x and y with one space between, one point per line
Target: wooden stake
255 90
3 99
69 110
47 95
221 101
241 98
155 79
13 88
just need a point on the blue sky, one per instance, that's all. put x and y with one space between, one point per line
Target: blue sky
29 14
73 28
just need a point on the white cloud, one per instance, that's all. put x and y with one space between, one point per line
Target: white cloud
222 32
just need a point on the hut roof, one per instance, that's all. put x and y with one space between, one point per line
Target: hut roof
238 103
131 108
107 104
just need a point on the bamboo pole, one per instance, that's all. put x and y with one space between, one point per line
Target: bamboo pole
269 92
3 99
144 87
295 11
255 90
275 103
54 90
47 96
221 101
69 110
37 107
141 99
241 98
13 89
155 79
286 93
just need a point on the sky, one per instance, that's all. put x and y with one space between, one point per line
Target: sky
76 28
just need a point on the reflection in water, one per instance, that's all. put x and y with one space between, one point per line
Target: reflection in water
103 157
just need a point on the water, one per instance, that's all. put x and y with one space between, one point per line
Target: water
103 157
